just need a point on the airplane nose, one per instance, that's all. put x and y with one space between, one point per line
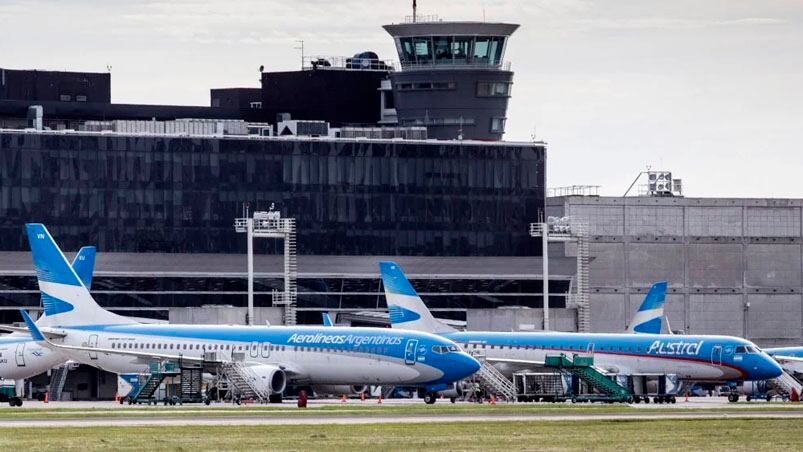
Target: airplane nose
467 365
773 369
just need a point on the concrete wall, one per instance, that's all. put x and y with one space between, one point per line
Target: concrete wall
734 266
519 319
224 315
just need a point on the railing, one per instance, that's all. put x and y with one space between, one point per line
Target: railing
443 64
422 18
342 63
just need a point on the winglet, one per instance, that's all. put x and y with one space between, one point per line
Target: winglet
35 333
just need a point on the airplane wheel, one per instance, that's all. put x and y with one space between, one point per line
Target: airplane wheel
430 398
673 399
453 399
749 398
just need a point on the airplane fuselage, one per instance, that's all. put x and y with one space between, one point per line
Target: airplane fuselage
309 355
688 357
21 357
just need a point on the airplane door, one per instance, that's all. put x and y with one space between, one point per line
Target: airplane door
590 348
716 355
410 352
93 343
266 349
20 354
254 349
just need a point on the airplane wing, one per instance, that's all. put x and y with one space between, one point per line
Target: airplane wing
21 329
39 336
793 363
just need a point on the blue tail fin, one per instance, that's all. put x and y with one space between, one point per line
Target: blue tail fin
405 307
327 321
649 318
35 333
65 298
84 265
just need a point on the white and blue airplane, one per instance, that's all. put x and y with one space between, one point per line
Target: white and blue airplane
690 357
21 357
273 355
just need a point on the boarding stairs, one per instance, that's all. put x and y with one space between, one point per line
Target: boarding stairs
158 373
788 383
583 368
493 380
242 379
58 378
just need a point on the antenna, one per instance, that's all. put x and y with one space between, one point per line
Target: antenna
301 47
415 7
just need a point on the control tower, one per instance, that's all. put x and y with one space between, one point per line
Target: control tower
453 78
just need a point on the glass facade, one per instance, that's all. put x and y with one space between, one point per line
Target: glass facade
361 197
478 50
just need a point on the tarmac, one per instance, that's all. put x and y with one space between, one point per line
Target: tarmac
71 414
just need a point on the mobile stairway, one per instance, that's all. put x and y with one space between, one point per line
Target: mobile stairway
494 381
242 379
788 383
190 389
582 367
58 378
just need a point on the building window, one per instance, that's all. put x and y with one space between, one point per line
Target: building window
493 89
498 125
256 105
65 97
80 98
426 86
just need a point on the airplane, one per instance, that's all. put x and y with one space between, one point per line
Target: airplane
690 357
20 356
273 355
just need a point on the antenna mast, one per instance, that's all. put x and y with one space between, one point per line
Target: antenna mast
415 7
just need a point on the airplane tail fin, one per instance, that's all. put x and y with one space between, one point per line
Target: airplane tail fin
649 318
327 320
406 308
65 298
84 265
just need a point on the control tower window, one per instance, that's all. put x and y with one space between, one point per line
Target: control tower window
488 50
461 48
443 49
408 55
423 50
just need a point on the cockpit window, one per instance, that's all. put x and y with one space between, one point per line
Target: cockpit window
751 349
444 348
741 349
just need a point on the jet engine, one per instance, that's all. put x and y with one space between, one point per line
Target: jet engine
271 378
337 390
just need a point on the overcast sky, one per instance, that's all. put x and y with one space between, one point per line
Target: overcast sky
710 89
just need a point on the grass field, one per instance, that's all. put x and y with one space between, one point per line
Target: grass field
356 408
686 435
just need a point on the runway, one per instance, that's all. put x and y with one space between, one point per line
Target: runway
157 419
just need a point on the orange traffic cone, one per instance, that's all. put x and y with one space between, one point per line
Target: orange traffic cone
47 398
687 397
362 396
343 398
493 399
